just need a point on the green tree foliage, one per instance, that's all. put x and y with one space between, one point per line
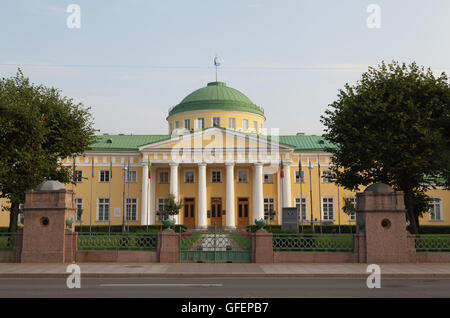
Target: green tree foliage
38 126
172 207
392 127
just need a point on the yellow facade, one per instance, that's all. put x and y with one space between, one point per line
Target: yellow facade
255 164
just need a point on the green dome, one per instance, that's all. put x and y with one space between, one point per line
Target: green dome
216 95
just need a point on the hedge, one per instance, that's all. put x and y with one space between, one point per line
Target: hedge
330 229
130 228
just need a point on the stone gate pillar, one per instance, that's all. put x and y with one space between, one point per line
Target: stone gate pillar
381 225
46 238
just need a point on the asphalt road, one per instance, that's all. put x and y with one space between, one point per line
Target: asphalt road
222 287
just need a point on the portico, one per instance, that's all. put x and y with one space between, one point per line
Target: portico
226 191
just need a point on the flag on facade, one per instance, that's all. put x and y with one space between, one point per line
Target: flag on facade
110 168
74 170
149 170
93 167
281 169
300 169
128 171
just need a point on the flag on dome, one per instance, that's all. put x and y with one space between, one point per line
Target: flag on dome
216 62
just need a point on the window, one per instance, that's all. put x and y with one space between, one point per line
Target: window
200 123
269 209
163 177
103 209
297 176
302 213
162 202
436 209
328 209
268 178
255 125
187 124
131 176
352 216
189 176
104 176
78 176
245 124
78 209
177 124
216 176
216 121
131 205
232 123
326 175
170 128
243 176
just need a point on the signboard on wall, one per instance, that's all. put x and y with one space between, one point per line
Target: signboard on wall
290 219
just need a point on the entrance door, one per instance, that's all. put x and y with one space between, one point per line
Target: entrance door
189 212
216 211
242 212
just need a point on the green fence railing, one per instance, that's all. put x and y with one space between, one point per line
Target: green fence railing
312 242
432 242
6 241
117 241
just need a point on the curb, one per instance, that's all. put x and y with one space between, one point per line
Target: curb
226 275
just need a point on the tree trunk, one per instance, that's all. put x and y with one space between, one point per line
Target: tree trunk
13 217
411 216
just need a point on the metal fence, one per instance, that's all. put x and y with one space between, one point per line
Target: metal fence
432 242
117 241
312 242
6 241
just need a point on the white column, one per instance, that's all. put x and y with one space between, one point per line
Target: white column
231 214
201 212
287 187
144 196
258 198
152 210
174 185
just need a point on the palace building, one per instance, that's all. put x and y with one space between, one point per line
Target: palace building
222 163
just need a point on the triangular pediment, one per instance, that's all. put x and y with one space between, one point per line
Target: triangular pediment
217 138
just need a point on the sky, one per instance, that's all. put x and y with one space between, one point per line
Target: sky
131 60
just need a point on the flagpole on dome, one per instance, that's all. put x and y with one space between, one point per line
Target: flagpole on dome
216 64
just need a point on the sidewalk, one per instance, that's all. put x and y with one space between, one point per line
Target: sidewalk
186 270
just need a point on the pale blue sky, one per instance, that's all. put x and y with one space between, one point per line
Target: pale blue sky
132 60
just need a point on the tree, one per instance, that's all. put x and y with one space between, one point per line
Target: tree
38 127
172 207
392 127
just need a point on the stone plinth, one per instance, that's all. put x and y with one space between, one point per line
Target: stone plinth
381 220
262 248
168 249
45 237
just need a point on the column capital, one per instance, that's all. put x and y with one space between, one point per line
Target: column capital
229 164
201 164
173 164
258 164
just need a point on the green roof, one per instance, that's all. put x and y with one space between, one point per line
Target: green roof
302 143
216 95
131 143
124 143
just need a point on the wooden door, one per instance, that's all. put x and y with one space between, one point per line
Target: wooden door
189 212
242 212
216 211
